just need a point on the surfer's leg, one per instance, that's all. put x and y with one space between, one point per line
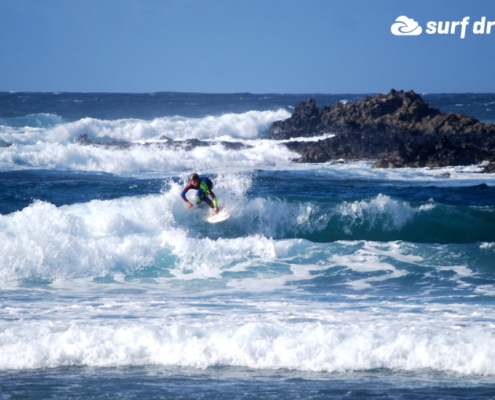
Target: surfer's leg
208 201
200 197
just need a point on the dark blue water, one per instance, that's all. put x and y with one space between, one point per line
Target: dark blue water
74 106
150 382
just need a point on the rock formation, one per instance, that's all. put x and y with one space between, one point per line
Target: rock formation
398 129
165 143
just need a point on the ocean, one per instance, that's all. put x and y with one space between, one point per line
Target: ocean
329 281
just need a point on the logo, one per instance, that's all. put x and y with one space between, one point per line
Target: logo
406 27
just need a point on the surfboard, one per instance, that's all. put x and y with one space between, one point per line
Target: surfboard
214 218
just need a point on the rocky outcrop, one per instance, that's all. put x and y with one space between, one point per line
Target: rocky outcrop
399 129
165 143
84 140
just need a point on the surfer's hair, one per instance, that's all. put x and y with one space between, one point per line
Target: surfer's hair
194 177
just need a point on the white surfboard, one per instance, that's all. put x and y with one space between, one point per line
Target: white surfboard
214 218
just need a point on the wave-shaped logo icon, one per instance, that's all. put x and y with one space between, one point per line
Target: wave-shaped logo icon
406 27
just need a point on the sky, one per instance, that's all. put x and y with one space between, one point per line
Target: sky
257 46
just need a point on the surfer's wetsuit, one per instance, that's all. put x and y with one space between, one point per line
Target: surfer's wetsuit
205 186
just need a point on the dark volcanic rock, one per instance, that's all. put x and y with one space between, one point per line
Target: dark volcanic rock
305 121
188 144
84 140
398 128
490 168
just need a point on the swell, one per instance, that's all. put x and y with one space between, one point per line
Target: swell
41 120
128 233
429 223
378 218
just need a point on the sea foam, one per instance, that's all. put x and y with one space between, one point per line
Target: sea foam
276 336
247 125
123 235
55 147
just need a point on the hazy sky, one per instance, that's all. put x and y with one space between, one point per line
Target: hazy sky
258 46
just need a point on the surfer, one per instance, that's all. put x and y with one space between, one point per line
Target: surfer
203 185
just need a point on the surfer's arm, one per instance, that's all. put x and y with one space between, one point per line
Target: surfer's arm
183 195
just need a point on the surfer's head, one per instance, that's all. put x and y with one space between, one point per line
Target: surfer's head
194 179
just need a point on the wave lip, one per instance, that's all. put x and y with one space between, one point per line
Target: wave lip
378 218
41 120
390 214
384 218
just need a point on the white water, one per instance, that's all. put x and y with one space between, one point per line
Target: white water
244 126
97 238
94 299
54 147
149 328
